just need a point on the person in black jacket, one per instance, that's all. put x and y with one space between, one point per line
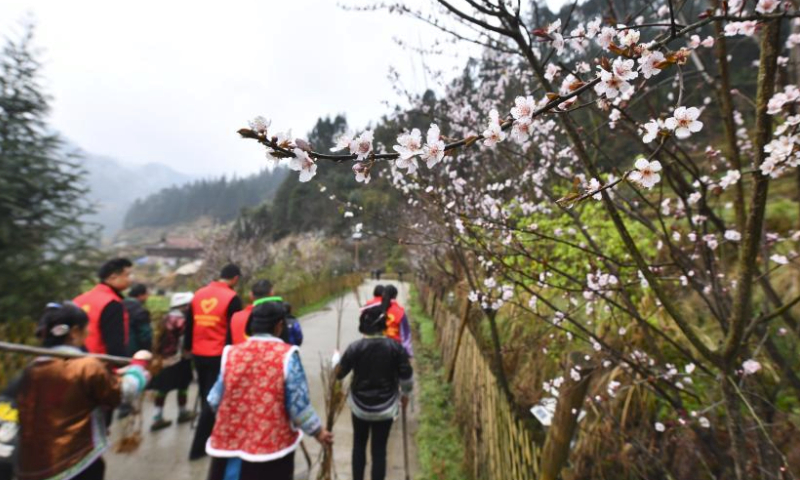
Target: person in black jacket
140 331
382 381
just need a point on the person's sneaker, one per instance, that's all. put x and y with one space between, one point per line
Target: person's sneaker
159 424
186 416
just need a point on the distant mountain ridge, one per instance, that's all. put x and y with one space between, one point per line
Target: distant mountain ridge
114 186
220 199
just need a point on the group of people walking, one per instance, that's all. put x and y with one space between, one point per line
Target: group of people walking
254 397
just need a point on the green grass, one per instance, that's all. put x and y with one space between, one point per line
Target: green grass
439 445
317 306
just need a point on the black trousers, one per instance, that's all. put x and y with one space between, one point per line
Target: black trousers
380 437
207 372
96 471
280 469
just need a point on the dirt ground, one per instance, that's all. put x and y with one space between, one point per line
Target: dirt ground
164 454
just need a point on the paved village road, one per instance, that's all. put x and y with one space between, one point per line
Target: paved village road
164 454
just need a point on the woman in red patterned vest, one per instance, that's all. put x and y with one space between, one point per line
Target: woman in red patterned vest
262 403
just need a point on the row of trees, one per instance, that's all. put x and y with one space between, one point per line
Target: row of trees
634 200
221 199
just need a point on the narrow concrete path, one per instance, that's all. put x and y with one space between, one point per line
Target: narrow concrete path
164 454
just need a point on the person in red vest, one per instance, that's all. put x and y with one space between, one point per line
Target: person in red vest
208 330
260 292
397 325
108 319
377 296
263 404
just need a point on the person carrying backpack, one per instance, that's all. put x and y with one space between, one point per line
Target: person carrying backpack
176 373
292 334
382 381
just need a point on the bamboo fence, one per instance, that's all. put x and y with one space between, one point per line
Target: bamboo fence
499 444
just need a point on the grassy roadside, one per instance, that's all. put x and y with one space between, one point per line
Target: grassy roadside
441 452
318 305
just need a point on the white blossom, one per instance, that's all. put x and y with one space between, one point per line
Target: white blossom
433 151
343 141
684 122
260 124
779 259
304 164
731 177
361 147
646 173
523 107
660 427
732 235
493 133
651 130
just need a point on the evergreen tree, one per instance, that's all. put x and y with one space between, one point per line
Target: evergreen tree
43 244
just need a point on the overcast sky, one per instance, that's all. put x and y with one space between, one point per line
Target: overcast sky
172 81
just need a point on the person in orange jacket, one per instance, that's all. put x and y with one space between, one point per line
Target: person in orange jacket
108 319
208 330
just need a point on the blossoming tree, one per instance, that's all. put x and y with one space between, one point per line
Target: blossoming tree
618 193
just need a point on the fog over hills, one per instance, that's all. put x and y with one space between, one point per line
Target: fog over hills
113 187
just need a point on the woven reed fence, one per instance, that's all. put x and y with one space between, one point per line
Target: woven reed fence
499 444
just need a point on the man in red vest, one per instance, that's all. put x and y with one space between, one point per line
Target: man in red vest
208 330
398 327
260 292
108 319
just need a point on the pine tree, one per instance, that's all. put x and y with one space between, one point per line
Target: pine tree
43 244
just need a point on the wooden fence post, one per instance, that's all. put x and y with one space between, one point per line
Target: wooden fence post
464 318
559 435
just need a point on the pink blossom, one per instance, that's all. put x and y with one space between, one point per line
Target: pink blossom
521 129
767 6
751 366
684 122
624 69
362 172
552 71
648 64
606 37
779 259
732 235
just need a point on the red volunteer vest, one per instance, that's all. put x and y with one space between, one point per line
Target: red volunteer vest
210 314
239 323
373 301
393 317
252 422
93 302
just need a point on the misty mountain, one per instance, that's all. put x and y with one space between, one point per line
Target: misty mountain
114 186
221 199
